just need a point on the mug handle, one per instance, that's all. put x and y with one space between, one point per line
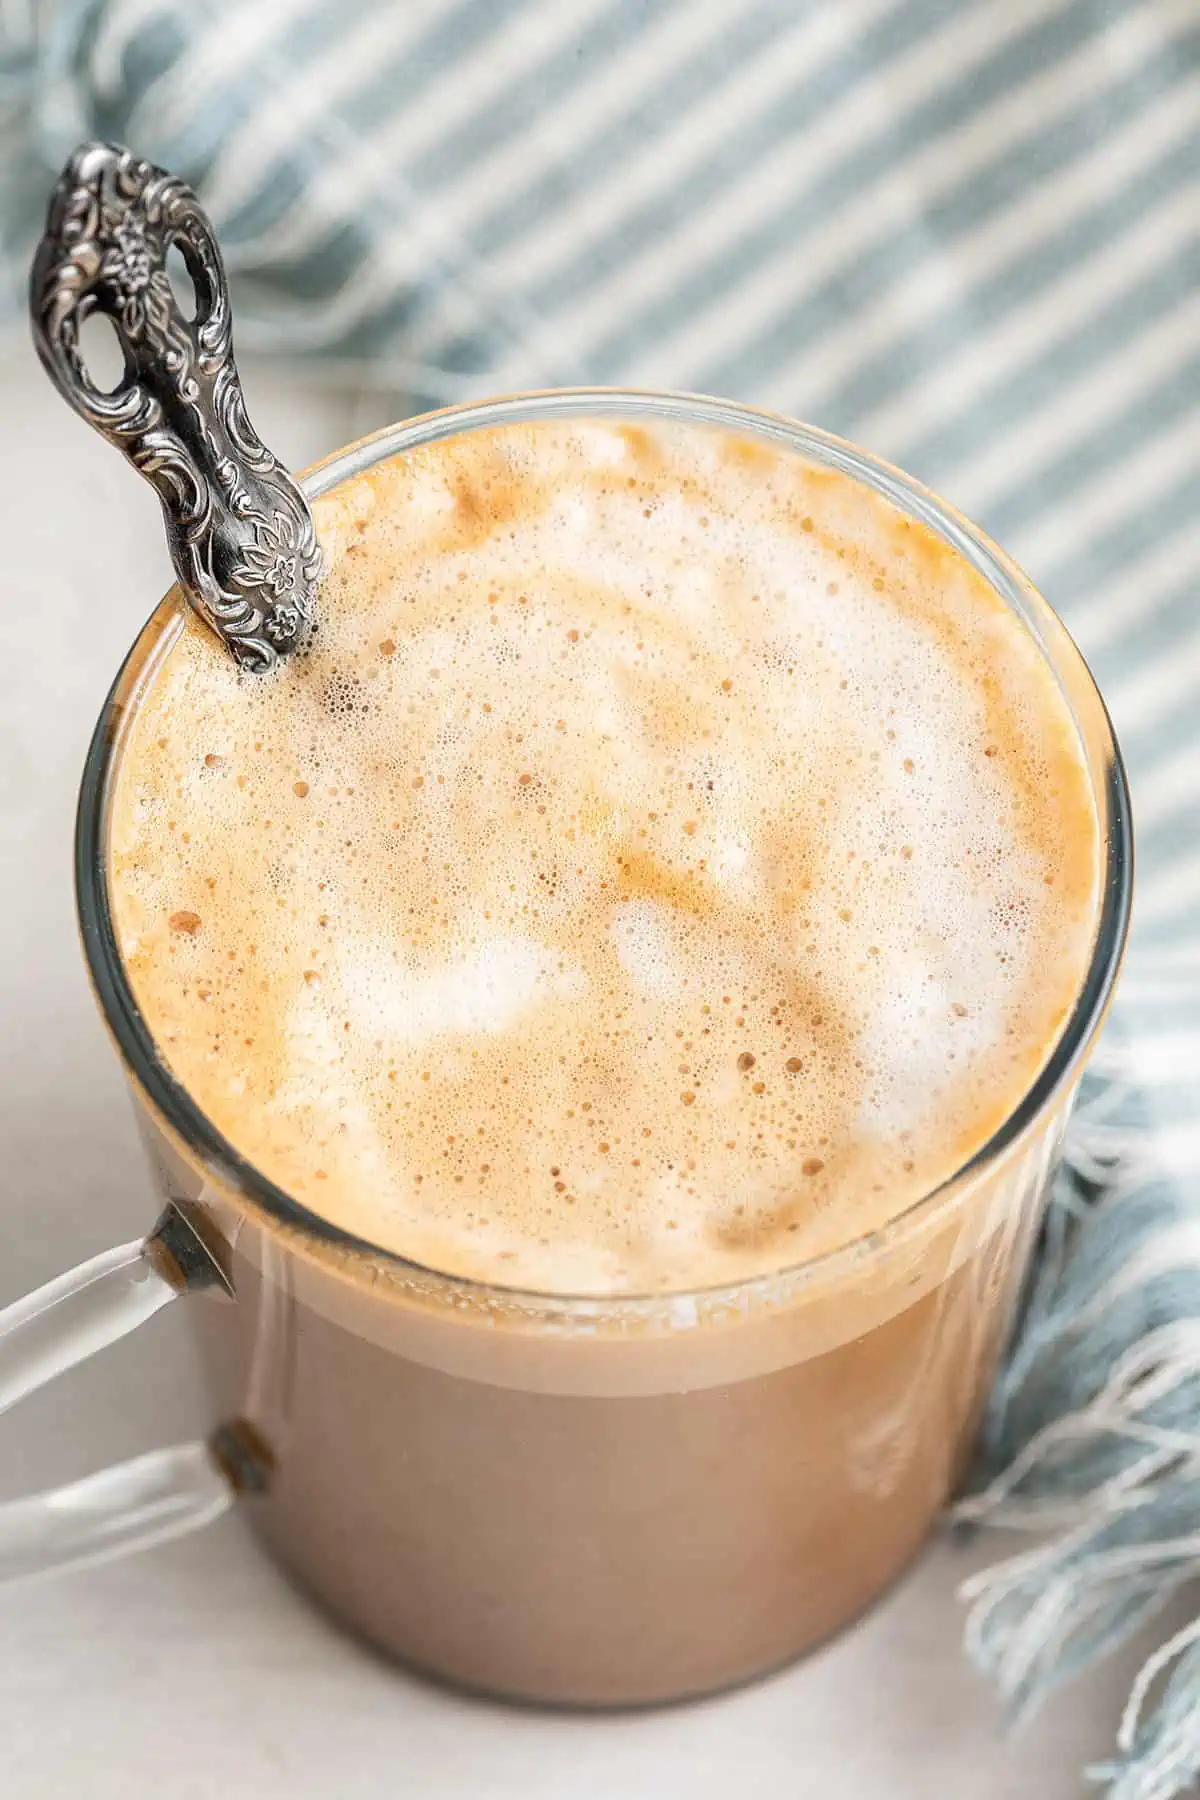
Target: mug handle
151 1498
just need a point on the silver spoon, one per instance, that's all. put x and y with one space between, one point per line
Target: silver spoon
239 530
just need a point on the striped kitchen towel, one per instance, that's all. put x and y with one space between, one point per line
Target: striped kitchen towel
967 235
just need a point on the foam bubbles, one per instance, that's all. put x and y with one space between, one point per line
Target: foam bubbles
668 863
489 987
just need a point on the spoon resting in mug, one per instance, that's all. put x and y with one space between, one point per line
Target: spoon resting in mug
239 530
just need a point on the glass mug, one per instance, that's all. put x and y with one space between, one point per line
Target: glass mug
584 1501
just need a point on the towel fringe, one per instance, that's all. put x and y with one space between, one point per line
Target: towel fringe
1093 1432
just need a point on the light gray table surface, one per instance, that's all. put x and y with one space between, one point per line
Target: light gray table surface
195 1670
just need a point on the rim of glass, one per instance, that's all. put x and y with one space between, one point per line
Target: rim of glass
170 1099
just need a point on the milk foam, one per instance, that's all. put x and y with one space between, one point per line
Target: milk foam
669 863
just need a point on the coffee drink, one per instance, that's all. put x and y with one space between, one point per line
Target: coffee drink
669 865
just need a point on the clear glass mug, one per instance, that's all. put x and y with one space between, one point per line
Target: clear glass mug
552 1498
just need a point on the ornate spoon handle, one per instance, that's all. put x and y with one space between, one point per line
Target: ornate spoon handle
239 530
